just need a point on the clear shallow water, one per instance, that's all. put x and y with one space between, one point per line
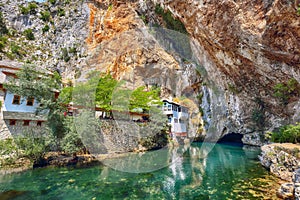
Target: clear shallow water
227 172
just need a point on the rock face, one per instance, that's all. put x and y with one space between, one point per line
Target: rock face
283 161
59 48
245 47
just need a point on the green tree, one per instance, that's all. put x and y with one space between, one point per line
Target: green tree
142 98
65 95
104 91
71 142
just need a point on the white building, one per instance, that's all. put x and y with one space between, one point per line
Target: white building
18 114
177 118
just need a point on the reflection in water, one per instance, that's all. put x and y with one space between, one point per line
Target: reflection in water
228 172
147 161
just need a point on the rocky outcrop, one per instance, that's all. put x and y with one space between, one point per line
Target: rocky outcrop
283 161
245 48
60 160
61 47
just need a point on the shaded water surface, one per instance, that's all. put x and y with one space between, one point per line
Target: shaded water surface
227 172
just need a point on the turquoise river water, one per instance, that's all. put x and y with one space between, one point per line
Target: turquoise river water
227 172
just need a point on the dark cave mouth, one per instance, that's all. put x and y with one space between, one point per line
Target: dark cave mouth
232 138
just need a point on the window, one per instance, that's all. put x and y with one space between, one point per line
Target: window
26 123
30 101
39 123
174 108
16 100
12 122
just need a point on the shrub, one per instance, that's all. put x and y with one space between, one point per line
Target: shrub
71 143
110 7
45 16
3 42
7 147
144 18
15 49
288 133
24 10
284 91
52 1
32 6
72 50
61 12
29 34
2 46
46 28
171 22
3 28
32 147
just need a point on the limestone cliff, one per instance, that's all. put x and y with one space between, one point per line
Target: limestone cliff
245 48
59 30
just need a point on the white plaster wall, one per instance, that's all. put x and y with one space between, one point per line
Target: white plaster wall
8 106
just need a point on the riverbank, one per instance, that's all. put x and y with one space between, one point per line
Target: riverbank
56 159
283 160
59 159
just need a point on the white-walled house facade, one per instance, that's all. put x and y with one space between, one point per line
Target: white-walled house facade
177 118
18 114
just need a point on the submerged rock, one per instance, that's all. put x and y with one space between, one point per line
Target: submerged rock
286 191
11 194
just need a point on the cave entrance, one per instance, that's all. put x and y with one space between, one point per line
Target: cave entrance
232 138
